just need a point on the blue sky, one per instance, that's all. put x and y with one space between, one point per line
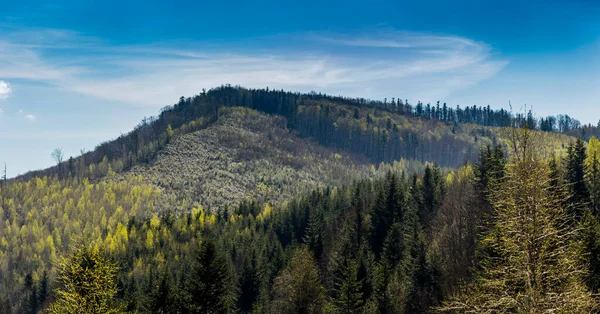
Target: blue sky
76 73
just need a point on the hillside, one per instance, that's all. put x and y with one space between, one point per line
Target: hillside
280 185
367 130
403 243
247 155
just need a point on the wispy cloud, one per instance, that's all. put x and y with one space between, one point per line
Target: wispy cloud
5 90
376 65
30 117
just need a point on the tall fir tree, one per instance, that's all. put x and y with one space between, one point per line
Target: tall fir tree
536 268
88 284
347 291
576 170
298 288
209 284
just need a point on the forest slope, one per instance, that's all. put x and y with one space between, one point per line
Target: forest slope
372 131
247 155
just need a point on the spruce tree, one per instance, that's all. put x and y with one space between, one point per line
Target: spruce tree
592 163
43 293
536 268
381 221
88 284
298 288
579 196
208 286
347 292
313 237
249 285
163 298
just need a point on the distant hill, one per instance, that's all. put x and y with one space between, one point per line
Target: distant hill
248 155
201 150
260 172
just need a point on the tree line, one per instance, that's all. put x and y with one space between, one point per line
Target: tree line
382 131
512 232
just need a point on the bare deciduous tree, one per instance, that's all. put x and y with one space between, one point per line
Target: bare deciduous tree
57 155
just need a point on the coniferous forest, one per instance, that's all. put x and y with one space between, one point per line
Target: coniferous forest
327 205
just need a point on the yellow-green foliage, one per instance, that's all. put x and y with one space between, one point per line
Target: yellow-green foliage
535 266
593 152
88 284
42 216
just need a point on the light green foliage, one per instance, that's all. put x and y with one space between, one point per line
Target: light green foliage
87 282
298 288
43 215
532 263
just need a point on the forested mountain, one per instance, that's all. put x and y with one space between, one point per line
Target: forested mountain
377 131
258 201
247 155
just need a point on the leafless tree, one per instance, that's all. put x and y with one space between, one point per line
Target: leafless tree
57 155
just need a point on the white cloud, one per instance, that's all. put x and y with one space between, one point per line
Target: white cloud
30 117
376 65
1 111
5 90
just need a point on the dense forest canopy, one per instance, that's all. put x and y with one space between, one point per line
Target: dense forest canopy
259 201
399 244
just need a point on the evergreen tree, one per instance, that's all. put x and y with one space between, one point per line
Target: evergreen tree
87 284
249 285
347 292
575 177
313 237
394 246
394 199
298 288
591 242
43 294
489 169
592 163
425 290
536 268
381 221
163 298
208 286
433 191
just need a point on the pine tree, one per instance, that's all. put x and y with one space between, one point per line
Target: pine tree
592 163
163 298
43 294
298 288
579 196
536 269
87 284
209 283
348 296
